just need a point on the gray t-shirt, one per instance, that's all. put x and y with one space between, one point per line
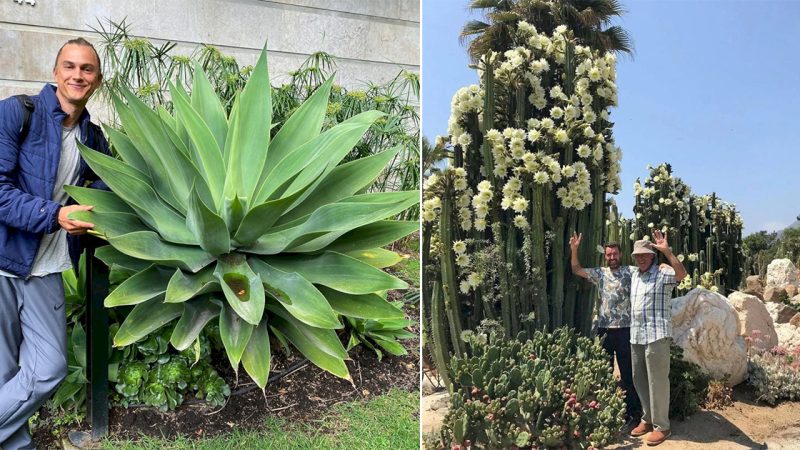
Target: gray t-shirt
53 254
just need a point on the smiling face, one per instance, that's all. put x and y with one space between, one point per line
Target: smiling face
644 261
612 257
77 76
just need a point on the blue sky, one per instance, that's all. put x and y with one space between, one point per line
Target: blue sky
713 88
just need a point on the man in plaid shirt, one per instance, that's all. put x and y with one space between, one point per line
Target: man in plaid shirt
651 333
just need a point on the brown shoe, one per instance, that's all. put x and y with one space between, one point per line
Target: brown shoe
657 437
641 429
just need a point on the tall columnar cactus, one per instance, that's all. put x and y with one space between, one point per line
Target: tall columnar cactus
705 232
534 158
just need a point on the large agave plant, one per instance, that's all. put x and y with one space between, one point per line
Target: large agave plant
271 237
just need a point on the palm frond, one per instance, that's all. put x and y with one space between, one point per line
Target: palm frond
618 40
486 4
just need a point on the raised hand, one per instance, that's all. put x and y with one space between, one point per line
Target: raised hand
660 242
575 240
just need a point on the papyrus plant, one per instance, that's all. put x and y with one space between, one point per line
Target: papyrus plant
271 237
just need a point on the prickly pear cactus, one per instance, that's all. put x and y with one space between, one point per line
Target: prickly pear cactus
555 390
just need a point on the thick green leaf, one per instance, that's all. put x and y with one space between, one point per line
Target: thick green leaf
145 318
337 271
391 346
233 212
330 222
207 104
365 208
113 258
143 286
111 224
183 287
315 155
310 349
249 133
367 306
166 117
256 358
302 126
373 235
343 181
235 334
134 188
325 339
325 163
242 287
297 295
79 344
179 172
103 201
196 314
206 151
260 219
376 257
208 228
126 149
148 246
136 134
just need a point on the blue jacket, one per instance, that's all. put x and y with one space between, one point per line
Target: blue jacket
28 174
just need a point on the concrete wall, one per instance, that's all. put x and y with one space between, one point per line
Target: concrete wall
372 39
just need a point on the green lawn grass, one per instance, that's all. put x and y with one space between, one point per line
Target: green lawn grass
389 421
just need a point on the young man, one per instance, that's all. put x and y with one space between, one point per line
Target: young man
651 333
34 167
614 318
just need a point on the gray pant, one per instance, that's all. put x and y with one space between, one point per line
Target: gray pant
651 378
33 352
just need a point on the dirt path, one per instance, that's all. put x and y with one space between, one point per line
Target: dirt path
743 426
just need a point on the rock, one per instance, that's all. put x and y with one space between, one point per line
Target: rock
753 282
753 315
706 326
781 272
754 286
433 409
795 300
791 290
795 320
775 294
788 335
779 312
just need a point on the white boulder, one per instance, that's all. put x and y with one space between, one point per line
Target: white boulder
788 335
706 326
781 272
753 315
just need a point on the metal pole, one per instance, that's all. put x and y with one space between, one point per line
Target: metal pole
97 342
97 350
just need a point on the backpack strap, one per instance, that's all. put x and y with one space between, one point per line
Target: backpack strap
27 109
95 132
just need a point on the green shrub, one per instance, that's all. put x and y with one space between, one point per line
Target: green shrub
688 385
554 390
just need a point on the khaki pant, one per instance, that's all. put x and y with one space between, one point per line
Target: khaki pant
651 378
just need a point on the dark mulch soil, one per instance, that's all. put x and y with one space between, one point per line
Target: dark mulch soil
303 395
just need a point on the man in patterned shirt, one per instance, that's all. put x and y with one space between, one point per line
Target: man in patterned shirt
651 333
614 318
